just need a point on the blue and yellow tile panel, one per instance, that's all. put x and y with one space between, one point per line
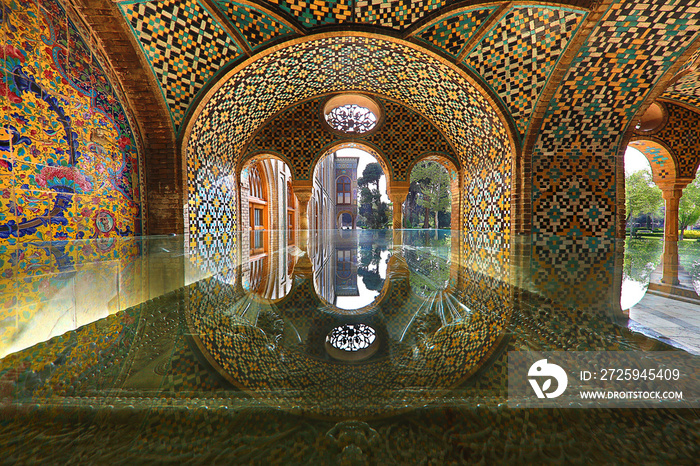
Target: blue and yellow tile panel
185 47
451 34
518 54
69 162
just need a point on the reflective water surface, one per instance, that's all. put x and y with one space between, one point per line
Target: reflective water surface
343 347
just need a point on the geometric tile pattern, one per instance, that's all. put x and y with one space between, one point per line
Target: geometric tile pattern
517 56
452 33
686 89
682 136
592 107
256 26
397 14
184 45
371 65
613 71
299 136
318 12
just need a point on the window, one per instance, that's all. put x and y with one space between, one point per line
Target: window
257 184
343 190
258 218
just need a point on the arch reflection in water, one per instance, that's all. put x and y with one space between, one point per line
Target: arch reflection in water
422 341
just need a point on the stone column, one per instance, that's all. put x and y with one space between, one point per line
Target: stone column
672 192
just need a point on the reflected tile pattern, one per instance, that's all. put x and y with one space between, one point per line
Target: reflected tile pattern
218 364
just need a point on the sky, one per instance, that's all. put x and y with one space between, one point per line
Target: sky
635 161
365 159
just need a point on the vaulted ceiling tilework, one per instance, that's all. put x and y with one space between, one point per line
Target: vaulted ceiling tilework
184 45
317 12
395 14
451 34
254 24
518 54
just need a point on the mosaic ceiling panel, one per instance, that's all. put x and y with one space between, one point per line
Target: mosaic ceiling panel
517 56
451 34
686 89
255 25
184 45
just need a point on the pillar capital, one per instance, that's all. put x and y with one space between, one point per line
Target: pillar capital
303 189
395 189
673 188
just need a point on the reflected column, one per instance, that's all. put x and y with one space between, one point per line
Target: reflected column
397 192
303 190
672 192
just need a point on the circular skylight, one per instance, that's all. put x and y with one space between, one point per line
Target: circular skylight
352 118
352 337
351 113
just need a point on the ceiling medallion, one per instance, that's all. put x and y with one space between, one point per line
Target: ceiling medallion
352 113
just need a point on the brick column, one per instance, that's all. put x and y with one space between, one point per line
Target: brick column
303 190
397 192
672 192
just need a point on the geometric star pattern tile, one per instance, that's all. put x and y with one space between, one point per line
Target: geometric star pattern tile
395 14
516 57
452 33
599 95
317 12
184 46
256 26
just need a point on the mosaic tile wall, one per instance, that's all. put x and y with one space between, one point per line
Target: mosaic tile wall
299 135
69 162
184 45
518 54
365 64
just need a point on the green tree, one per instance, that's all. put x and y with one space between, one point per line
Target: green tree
689 206
642 196
372 208
434 184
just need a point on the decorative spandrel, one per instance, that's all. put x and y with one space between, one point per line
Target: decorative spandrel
352 118
352 337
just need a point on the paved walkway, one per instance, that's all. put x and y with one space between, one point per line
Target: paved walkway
674 322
